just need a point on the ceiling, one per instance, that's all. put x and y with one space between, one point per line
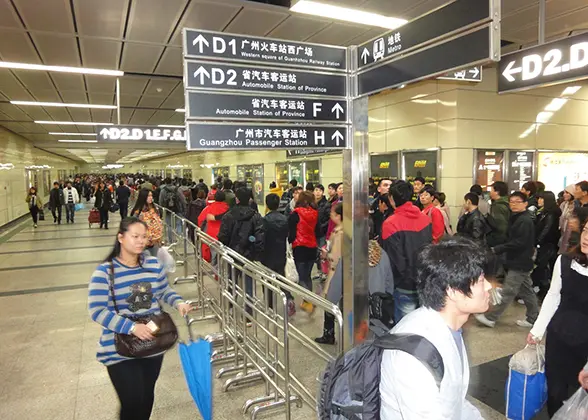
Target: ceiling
143 38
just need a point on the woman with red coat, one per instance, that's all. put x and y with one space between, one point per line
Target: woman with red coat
215 209
302 234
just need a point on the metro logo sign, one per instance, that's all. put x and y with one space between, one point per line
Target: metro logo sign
556 62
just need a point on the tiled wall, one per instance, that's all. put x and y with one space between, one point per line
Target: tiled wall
19 152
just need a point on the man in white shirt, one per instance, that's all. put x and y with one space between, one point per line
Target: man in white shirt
71 198
451 286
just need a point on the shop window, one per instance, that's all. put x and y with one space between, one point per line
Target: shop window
252 175
168 173
489 168
222 171
187 173
282 176
520 169
420 163
296 172
557 170
383 166
312 172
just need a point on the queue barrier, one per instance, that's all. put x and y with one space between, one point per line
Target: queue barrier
256 336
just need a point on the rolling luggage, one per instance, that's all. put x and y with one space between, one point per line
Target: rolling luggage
93 217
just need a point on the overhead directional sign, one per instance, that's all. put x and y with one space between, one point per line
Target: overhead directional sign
230 106
471 74
297 153
217 45
251 136
139 133
560 61
217 76
452 18
430 62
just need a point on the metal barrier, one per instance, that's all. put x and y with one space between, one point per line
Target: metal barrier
256 336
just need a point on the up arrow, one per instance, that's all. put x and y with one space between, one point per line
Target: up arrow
364 55
200 40
509 71
104 133
475 71
338 109
337 136
202 73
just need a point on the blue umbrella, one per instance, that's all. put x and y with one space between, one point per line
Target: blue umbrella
195 357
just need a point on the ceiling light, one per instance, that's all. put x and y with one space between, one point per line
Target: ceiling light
350 15
78 141
61 104
72 134
556 104
170 126
6 166
62 69
72 123
570 90
528 131
180 110
543 117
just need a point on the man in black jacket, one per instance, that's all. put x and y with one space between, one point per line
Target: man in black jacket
519 251
242 230
472 224
275 226
375 213
56 202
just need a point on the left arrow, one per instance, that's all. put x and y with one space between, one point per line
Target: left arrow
202 73
337 136
201 41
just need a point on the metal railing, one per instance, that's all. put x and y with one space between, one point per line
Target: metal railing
256 336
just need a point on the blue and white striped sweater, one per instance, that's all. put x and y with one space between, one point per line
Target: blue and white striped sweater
137 290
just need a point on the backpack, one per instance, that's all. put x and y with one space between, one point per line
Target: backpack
350 385
171 200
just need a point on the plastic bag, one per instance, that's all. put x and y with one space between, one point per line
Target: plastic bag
526 388
291 271
576 408
79 207
166 259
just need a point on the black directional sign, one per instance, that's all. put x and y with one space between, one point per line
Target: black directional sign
471 74
217 45
468 49
560 61
229 106
251 136
443 22
217 76
139 133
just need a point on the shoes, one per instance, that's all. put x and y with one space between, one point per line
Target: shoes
307 307
291 308
54 220
524 323
521 301
327 338
481 318
34 225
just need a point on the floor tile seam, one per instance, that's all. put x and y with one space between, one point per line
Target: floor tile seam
31 251
43 290
13 232
49 265
58 239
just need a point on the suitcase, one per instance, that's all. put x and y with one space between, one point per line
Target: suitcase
93 217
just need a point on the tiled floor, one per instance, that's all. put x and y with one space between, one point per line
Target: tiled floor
48 342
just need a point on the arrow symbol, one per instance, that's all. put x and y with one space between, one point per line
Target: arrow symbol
202 73
337 109
201 41
105 133
475 71
337 136
509 71
364 55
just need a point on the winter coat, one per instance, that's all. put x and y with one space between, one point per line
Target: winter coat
334 255
547 227
403 235
497 219
567 212
520 246
276 235
408 390
332 203
211 228
305 220
38 201
446 218
74 195
242 230
195 209
180 199
324 209
473 225
56 198
437 222
103 199
532 206
230 198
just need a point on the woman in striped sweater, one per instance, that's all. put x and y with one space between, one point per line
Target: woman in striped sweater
140 285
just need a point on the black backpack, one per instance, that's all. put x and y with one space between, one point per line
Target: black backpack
350 385
171 200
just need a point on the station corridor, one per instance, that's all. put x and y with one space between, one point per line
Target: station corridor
48 342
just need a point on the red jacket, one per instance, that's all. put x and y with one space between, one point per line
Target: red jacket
306 227
215 208
436 218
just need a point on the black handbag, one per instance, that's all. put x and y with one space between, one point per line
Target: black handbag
128 345
114 207
41 214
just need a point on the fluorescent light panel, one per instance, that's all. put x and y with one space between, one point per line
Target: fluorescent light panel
343 13
78 141
180 110
72 134
61 69
556 104
72 123
571 90
61 104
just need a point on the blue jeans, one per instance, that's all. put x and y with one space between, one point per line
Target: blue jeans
404 303
304 269
170 234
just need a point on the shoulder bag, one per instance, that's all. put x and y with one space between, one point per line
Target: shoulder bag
128 345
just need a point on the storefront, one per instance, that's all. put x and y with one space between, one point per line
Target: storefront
420 163
253 177
384 166
187 173
221 171
559 169
515 167
304 172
